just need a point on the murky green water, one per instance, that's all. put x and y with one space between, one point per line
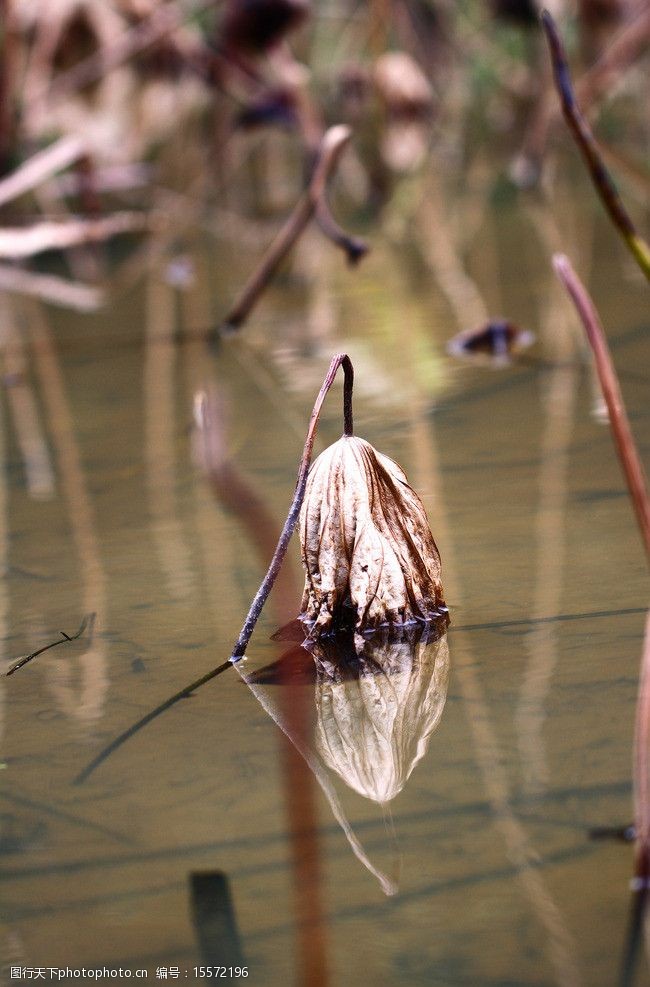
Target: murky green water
103 510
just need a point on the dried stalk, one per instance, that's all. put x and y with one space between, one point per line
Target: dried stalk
340 360
25 242
584 138
624 440
312 201
40 166
88 621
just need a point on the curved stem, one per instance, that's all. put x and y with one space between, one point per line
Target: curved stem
341 359
332 145
621 431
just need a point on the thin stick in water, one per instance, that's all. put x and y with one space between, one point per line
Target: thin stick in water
88 621
623 438
585 140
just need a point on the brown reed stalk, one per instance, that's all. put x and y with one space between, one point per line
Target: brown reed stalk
311 202
623 438
584 138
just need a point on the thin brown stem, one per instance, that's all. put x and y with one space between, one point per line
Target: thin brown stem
354 248
589 149
341 359
624 440
332 144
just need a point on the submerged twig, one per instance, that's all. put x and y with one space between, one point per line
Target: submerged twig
312 201
624 440
585 140
88 621
341 359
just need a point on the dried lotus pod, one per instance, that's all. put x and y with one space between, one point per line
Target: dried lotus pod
368 553
402 85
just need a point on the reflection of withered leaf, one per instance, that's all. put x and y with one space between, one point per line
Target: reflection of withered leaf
377 710
367 549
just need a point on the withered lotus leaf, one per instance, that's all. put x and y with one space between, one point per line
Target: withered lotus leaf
368 553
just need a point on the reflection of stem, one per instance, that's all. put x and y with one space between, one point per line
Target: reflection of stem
88 705
624 440
160 423
490 760
585 140
641 749
559 406
36 457
559 402
459 289
238 496
323 780
489 757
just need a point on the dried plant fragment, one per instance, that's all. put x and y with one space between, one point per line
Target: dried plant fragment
367 549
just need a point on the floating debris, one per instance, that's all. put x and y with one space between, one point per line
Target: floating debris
496 343
87 622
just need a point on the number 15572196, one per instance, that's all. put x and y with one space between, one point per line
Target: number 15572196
227 972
